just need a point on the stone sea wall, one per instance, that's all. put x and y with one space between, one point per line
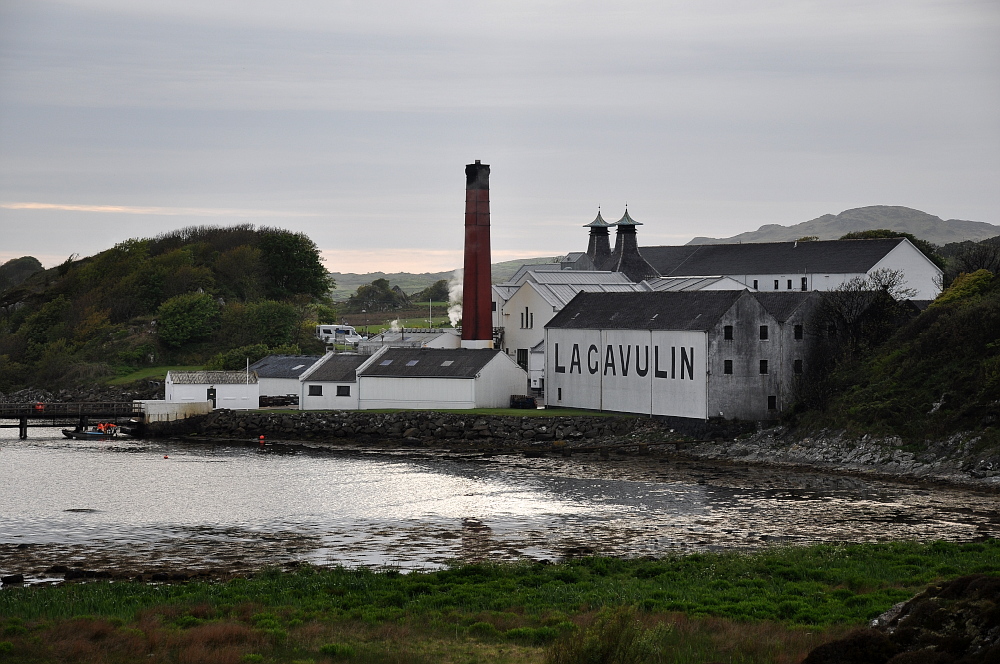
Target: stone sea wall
403 427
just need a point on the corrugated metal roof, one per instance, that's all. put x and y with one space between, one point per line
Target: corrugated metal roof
431 362
827 256
283 366
578 277
339 368
211 377
686 310
682 283
559 295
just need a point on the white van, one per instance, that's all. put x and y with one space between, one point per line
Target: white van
339 334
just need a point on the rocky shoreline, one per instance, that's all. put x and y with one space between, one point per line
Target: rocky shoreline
960 459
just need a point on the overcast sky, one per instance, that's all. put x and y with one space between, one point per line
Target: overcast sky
352 120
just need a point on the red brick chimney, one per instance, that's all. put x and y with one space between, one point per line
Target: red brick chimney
477 319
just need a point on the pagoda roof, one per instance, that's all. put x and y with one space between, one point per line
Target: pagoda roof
598 222
626 220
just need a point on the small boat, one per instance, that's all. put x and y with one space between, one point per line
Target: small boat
93 433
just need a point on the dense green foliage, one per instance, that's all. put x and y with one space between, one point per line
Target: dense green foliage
15 271
937 374
377 296
179 298
527 604
436 292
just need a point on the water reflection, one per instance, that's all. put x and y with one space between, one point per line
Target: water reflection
209 506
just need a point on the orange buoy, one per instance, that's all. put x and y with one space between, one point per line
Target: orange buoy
262 440
165 456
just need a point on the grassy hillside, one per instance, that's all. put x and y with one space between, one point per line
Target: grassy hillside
830 227
182 298
938 374
348 282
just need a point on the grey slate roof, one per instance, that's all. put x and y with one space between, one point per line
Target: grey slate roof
683 283
686 310
782 305
829 256
340 368
430 362
283 366
212 377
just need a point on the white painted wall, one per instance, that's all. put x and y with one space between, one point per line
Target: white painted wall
415 393
589 369
278 387
329 399
918 270
235 396
166 411
539 313
498 380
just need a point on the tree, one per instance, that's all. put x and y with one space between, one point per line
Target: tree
292 264
925 247
187 317
436 292
376 296
15 271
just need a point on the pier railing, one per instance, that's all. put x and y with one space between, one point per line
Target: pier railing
88 409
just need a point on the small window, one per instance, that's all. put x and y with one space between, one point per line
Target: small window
559 395
385 363
315 390
755 284
727 333
763 366
772 403
797 366
522 358
494 306
343 390
412 363
447 363
789 284
763 332
798 331
805 283
297 367
775 284
727 367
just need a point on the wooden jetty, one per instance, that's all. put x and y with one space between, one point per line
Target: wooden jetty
47 414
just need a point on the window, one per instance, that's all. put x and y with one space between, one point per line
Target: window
763 366
727 333
527 319
797 366
789 284
297 367
772 403
805 283
495 305
775 284
343 390
727 367
385 363
755 284
559 395
763 332
315 390
412 363
448 363
798 331
522 358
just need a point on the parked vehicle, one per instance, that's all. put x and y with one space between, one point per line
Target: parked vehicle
337 334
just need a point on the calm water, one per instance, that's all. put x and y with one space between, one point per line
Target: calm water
122 503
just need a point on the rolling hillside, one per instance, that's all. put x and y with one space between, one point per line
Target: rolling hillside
893 217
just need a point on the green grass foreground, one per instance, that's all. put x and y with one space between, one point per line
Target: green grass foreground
768 606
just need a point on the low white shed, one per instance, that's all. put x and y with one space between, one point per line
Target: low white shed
439 378
278 375
331 383
237 390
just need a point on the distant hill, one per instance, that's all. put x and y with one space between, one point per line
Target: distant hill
348 282
893 217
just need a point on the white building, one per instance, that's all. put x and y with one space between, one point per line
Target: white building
236 390
701 354
278 375
332 382
801 266
439 379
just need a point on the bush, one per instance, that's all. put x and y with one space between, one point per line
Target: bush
337 650
188 317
